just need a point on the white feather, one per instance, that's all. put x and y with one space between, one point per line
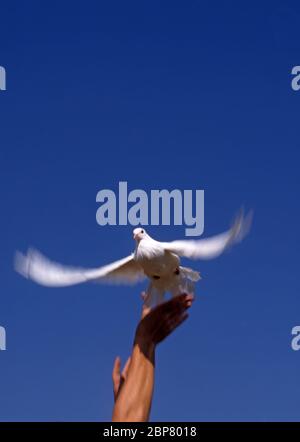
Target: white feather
40 269
211 247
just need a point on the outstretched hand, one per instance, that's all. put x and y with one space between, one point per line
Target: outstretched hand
158 323
133 387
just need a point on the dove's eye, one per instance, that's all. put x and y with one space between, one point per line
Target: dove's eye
142 231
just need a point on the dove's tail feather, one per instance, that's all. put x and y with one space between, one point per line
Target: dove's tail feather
186 282
190 274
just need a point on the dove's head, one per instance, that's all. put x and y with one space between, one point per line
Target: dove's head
139 234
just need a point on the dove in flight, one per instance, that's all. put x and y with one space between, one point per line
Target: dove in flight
159 261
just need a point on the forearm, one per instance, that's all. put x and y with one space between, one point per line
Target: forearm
134 401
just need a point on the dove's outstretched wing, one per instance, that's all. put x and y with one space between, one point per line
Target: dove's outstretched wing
212 247
40 269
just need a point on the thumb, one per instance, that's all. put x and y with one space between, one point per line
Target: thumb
116 369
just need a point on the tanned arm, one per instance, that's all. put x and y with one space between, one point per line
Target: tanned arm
134 388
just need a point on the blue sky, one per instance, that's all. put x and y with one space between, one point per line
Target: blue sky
188 95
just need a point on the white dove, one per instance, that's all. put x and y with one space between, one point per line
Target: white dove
159 261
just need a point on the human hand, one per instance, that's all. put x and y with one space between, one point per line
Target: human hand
161 321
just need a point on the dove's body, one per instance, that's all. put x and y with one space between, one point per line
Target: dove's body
154 259
160 266
159 261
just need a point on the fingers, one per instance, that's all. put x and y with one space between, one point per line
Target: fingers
126 368
178 321
124 374
184 298
171 318
169 326
116 377
189 299
175 305
169 311
116 368
158 323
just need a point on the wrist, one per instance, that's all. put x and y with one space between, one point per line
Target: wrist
145 343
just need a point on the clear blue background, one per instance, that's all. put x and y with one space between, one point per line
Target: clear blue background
189 95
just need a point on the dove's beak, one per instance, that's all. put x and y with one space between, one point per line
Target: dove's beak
137 236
